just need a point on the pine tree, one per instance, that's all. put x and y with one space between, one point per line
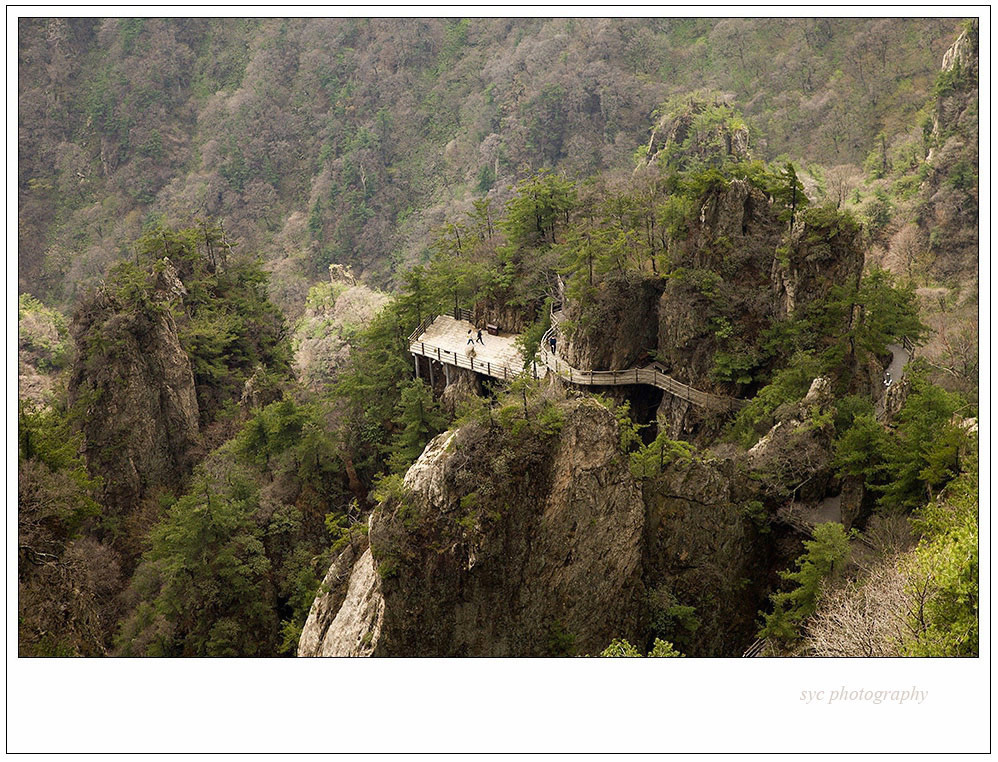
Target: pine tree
420 419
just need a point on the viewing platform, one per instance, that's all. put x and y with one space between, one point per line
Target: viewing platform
445 339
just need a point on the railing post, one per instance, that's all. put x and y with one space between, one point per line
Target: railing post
535 370
504 377
438 355
635 375
488 367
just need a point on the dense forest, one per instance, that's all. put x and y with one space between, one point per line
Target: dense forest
229 228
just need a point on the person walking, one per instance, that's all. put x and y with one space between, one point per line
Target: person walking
553 344
480 337
471 340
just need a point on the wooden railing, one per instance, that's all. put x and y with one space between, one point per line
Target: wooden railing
649 375
758 648
421 328
460 360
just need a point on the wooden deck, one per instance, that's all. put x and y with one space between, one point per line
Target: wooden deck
445 339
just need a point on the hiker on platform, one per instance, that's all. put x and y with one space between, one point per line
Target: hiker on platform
471 339
480 337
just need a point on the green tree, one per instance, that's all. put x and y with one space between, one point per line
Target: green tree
205 583
541 203
824 558
864 450
928 446
790 192
420 419
227 324
943 573
650 460
621 648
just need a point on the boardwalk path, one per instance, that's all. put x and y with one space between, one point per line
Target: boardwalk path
443 338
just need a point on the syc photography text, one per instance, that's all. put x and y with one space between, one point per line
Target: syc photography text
836 695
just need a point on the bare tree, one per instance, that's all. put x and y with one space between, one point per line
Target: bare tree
960 354
866 618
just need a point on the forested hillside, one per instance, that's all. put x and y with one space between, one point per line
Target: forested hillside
347 141
228 229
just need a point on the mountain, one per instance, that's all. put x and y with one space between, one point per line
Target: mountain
724 279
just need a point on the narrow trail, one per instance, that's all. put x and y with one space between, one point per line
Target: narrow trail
445 339
452 340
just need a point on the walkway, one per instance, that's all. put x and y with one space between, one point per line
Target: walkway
901 355
445 339
650 375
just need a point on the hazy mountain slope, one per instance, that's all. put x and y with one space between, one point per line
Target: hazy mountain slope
372 129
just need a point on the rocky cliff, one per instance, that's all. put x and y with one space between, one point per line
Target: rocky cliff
823 250
949 197
498 545
533 541
346 617
702 551
617 329
680 138
136 387
721 283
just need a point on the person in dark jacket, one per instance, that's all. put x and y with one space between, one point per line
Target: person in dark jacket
480 337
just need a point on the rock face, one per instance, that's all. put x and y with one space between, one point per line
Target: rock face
950 197
794 460
464 385
141 424
725 273
498 547
817 258
499 543
703 552
345 619
497 312
619 329
722 286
